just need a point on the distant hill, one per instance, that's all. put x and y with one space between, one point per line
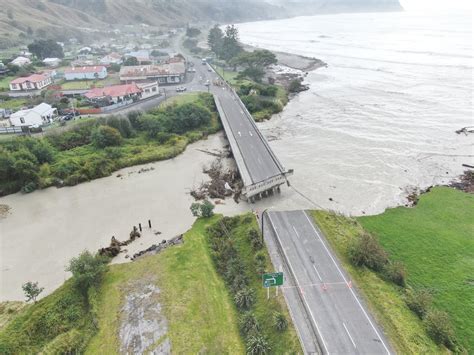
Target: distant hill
20 20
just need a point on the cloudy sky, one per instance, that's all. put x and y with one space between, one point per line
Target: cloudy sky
439 5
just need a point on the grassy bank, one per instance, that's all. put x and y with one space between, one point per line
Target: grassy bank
403 328
241 258
200 314
435 241
95 148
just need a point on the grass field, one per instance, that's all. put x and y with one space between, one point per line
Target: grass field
184 98
14 104
403 328
87 84
5 82
435 241
197 306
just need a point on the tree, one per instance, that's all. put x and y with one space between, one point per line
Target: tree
193 32
231 47
205 209
32 291
130 61
366 251
87 270
106 136
255 63
215 40
46 49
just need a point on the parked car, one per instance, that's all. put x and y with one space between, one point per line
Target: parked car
180 89
191 70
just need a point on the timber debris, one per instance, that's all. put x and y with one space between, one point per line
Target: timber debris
156 248
465 183
116 245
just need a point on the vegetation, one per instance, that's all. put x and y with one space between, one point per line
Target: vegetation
195 301
46 48
435 241
235 259
62 322
95 148
204 209
32 291
385 299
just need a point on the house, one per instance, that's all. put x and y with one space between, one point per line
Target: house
35 117
167 73
149 89
141 55
32 82
114 93
51 62
21 61
112 58
86 73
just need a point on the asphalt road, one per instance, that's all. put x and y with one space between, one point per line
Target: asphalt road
333 306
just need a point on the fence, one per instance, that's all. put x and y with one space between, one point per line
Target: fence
12 130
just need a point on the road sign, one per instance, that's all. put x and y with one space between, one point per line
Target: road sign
272 279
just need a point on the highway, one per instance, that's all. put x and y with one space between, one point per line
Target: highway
333 307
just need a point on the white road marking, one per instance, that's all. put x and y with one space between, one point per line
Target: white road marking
251 135
345 280
347 331
302 293
297 235
240 134
320 279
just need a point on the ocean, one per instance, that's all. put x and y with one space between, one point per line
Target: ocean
380 120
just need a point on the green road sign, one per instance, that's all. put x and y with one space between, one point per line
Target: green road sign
272 279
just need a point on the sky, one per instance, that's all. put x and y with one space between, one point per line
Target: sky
437 5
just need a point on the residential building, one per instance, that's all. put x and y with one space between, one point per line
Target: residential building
52 62
35 117
114 93
142 56
167 73
112 58
21 61
32 82
86 73
149 89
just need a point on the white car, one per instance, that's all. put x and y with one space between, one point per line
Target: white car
180 89
191 70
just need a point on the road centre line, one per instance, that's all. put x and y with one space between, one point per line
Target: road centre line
347 331
345 280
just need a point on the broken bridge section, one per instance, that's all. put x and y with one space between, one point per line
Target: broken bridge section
261 171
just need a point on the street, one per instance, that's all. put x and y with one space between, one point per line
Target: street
332 304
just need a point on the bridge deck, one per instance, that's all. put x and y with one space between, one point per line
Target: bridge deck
259 168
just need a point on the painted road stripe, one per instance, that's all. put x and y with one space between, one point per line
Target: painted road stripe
347 331
320 279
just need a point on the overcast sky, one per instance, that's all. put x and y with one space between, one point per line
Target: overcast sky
415 5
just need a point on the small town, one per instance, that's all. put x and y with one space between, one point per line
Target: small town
259 177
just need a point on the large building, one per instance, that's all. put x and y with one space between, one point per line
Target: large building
35 117
172 72
115 93
86 73
32 82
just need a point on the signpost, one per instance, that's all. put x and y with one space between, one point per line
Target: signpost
273 279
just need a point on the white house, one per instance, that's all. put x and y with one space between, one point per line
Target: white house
149 89
32 82
51 62
86 73
35 117
21 61
112 58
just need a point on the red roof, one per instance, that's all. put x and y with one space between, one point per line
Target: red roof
113 91
90 69
35 78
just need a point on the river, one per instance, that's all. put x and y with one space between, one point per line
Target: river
380 118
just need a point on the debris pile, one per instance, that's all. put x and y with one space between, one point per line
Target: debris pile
225 182
115 245
465 183
466 130
156 248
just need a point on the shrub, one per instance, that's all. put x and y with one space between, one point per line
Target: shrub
28 188
32 291
260 261
396 272
204 209
279 321
257 344
248 323
418 300
87 270
440 329
366 251
255 239
106 136
244 299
